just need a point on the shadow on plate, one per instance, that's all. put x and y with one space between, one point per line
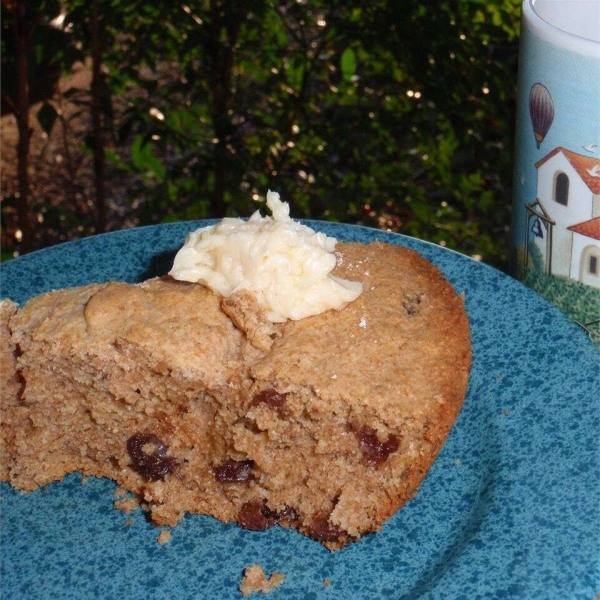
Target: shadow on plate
160 265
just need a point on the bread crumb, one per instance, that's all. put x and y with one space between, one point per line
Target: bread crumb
334 376
84 480
255 580
164 537
120 492
327 582
127 505
129 521
363 323
457 461
506 412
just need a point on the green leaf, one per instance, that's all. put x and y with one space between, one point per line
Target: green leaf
397 73
137 154
46 117
154 165
348 63
114 159
6 254
295 74
144 160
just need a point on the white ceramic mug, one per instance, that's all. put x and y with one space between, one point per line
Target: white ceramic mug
556 204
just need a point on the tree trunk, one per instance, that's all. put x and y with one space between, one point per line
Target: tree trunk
221 52
97 125
217 201
22 36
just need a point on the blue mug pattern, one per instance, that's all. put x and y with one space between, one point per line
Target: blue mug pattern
556 205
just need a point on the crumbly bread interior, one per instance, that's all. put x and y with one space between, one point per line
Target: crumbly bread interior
198 404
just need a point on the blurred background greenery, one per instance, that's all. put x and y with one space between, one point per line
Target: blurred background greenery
397 115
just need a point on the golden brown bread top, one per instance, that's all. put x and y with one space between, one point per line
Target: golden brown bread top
175 324
402 348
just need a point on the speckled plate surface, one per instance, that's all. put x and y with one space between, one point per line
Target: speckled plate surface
511 508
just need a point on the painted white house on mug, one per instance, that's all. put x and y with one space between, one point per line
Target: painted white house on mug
564 220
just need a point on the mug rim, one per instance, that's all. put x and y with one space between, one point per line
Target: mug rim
556 36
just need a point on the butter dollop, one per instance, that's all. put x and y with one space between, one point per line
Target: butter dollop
286 265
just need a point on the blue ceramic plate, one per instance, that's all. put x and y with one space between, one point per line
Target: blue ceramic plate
511 508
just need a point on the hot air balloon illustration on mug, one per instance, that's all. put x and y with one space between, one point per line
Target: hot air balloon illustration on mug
541 109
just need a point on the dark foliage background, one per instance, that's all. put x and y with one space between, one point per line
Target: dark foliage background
396 115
